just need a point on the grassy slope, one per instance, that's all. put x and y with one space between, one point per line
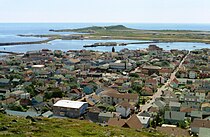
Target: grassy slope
63 128
121 32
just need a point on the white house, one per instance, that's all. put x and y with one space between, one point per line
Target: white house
145 121
124 108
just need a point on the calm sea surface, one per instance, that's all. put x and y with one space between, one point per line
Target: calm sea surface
9 32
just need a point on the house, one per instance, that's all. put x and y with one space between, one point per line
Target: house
201 94
88 89
93 113
116 122
37 99
104 117
22 114
145 121
16 81
191 98
75 94
151 82
16 94
199 123
126 86
68 108
160 105
174 106
120 66
7 102
134 122
153 111
205 107
192 74
173 117
168 95
187 110
147 91
149 70
204 132
165 72
115 98
174 83
4 93
196 114
4 82
124 108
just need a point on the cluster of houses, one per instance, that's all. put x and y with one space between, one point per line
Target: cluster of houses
110 87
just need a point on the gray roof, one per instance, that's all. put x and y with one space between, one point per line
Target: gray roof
174 115
204 132
22 114
3 80
174 104
47 114
160 104
197 114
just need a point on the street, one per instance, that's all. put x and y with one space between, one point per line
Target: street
159 91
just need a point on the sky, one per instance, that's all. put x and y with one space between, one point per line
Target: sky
113 11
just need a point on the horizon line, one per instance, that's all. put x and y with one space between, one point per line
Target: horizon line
107 22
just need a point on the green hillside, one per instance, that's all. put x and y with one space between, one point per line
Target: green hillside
43 127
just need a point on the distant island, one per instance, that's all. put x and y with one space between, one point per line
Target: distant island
122 32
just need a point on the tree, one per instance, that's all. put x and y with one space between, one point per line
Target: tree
17 108
135 75
182 124
30 89
54 93
110 109
138 64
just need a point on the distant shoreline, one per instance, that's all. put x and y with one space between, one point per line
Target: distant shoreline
27 43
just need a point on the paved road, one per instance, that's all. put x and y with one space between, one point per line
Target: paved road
159 91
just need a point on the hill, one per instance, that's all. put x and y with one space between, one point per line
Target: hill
95 28
20 127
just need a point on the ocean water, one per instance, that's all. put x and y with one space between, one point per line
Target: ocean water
9 32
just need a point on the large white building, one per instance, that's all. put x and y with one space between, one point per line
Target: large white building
68 108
